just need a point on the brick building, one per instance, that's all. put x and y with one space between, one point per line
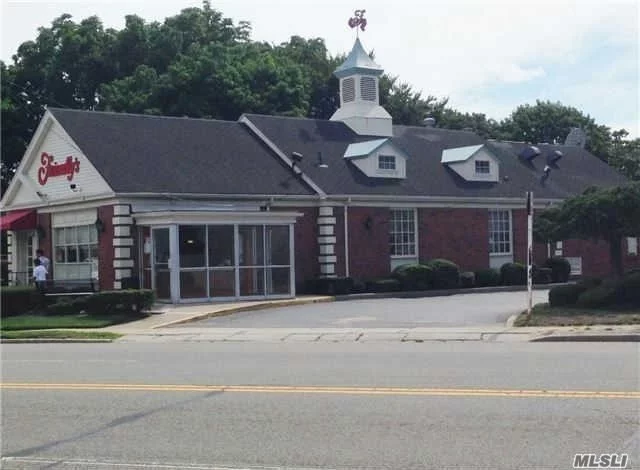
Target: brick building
207 210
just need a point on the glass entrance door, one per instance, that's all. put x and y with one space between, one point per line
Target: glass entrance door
161 263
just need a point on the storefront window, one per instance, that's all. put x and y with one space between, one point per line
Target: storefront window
76 252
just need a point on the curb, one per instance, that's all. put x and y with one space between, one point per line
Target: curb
622 338
55 340
440 292
245 308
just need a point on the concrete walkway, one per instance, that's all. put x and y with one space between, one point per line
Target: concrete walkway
154 328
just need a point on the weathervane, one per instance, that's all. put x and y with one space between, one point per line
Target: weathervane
358 20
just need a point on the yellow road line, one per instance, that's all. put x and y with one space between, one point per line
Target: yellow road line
399 391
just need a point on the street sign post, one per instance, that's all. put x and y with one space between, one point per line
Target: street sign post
529 252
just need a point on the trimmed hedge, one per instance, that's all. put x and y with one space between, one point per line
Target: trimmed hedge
513 274
414 276
566 295
628 289
560 268
542 275
19 299
467 279
487 277
446 274
329 286
601 296
105 302
384 285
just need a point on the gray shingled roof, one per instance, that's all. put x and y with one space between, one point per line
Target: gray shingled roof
137 153
426 175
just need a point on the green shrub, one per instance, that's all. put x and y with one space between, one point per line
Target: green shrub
329 286
513 274
542 275
628 289
604 295
560 268
414 276
384 285
467 279
487 277
565 295
68 306
446 274
19 299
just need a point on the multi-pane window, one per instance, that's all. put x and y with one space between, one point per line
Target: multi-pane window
499 232
482 167
386 162
348 90
403 232
76 252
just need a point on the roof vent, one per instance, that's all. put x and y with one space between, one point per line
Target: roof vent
554 156
429 122
530 152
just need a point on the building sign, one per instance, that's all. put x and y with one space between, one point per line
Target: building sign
49 169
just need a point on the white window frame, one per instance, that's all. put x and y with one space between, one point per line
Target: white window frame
387 163
414 219
632 246
93 271
510 232
482 167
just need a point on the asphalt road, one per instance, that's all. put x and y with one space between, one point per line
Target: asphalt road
213 405
455 310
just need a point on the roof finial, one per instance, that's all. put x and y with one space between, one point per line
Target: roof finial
358 21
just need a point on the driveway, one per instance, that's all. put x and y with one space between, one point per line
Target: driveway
449 311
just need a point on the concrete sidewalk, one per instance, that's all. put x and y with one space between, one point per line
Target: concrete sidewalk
154 328
366 335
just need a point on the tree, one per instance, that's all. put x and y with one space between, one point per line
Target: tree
551 122
598 214
625 155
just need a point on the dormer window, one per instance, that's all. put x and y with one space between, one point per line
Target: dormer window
368 88
348 90
386 162
482 167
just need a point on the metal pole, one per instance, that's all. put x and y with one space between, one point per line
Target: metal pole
529 252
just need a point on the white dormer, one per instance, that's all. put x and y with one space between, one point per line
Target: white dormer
473 163
378 159
359 95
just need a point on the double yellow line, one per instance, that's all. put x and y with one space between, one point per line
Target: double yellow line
394 391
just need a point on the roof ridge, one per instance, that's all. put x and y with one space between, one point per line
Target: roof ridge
147 116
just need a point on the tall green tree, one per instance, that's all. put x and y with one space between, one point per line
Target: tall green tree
597 214
625 155
551 122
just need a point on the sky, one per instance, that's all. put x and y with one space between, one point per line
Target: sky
485 56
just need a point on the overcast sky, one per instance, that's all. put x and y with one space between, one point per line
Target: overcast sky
486 56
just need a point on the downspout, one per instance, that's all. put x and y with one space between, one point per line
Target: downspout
346 237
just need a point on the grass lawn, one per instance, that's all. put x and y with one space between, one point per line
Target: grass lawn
58 334
544 315
43 322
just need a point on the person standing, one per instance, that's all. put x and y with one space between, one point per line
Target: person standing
44 261
39 275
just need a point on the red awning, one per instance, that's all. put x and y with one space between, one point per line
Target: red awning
19 220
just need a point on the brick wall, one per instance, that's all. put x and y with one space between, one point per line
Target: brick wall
45 237
105 248
459 235
306 244
369 255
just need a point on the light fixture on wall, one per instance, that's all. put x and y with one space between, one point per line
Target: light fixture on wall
99 226
368 223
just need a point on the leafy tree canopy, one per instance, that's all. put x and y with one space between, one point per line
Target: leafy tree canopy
598 214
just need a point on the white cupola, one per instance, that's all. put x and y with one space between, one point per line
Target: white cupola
359 95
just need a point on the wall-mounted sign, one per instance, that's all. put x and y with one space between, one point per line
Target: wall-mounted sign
49 169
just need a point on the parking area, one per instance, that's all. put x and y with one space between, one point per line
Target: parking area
448 311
